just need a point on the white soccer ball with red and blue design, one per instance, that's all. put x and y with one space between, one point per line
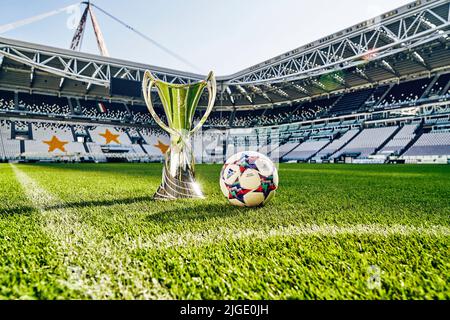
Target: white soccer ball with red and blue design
249 179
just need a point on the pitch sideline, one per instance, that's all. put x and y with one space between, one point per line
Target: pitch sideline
76 239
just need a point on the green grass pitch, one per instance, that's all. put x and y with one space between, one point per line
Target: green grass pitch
92 231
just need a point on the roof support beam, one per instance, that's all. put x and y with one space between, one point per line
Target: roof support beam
276 90
319 85
61 83
82 68
32 75
68 66
228 91
360 72
300 89
402 31
260 92
88 87
339 80
418 58
388 67
244 93
390 36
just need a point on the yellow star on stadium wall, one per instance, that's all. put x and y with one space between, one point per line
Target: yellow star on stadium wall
161 146
55 143
110 137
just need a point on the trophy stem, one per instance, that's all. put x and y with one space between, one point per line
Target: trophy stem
178 178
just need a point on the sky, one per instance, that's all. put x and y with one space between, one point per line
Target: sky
221 35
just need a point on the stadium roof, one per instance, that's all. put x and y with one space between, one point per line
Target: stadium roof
409 41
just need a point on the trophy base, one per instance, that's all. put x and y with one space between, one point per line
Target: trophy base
173 189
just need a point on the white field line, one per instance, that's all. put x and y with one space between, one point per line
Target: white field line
189 239
92 262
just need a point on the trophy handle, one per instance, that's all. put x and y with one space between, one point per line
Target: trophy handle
147 85
211 84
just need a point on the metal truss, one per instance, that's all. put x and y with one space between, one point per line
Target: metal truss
399 30
82 67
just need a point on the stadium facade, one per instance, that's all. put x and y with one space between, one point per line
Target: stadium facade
375 92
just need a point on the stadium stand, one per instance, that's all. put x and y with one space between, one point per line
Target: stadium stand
114 142
323 140
140 114
151 138
10 148
306 150
38 148
365 143
406 92
437 88
276 116
431 144
215 119
399 142
45 105
103 110
392 107
350 102
335 145
284 149
6 100
100 136
377 95
247 118
312 110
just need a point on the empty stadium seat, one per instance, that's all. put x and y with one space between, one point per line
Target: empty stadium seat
306 150
45 132
367 141
431 144
399 141
335 145
350 102
9 148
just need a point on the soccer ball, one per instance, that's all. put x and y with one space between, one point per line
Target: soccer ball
248 179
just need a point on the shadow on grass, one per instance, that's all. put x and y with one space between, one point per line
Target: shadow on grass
186 210
99 203
22 210
132 169
198 212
